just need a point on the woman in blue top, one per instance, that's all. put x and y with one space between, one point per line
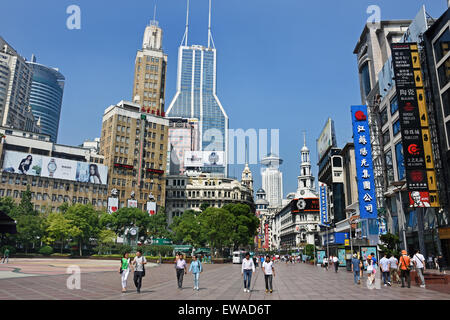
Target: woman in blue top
195 268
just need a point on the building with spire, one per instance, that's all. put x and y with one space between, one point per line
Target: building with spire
150 71
296 223
196 98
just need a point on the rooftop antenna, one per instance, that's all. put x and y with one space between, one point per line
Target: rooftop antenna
246 153
185 37
210 38
154 12
304 138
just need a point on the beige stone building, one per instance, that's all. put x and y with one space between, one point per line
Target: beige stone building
150 71
49 189
134 144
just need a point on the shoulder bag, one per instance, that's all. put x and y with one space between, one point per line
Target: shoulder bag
408 267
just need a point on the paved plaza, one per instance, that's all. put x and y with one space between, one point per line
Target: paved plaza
100 280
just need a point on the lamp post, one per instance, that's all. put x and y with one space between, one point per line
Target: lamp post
350 222
401 213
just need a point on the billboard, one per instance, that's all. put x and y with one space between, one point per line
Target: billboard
323 205
50 167
203 158
320 256
132 203
305 205
419 199
113 204
151 208
326 139
364 165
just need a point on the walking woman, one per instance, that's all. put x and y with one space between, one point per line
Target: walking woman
196 268
371 270
124 270
248 267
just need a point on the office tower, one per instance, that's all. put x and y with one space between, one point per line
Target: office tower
196 98
272 179
15 86
134 143
150 71
46 96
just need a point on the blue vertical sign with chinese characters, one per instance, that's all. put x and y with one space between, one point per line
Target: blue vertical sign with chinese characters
323 205
364 165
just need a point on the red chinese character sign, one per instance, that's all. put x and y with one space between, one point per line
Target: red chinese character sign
364 165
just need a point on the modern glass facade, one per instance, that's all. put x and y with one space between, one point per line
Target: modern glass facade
46 98
196 98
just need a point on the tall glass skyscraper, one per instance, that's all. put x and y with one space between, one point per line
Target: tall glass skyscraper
196 99
46 97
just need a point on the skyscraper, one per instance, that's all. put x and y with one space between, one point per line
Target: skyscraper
272 179
46 96
196 98
150 71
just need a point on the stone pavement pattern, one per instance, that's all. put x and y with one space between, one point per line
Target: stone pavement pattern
100 280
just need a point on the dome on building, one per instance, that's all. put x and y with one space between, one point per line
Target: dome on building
261 190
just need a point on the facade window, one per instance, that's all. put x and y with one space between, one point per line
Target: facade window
396 127
400 161
383 116
389 166
386 137
441 46
446 103
365 78
444 73
394 105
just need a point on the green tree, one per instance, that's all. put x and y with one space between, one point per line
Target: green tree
389 244
187 229
218 225
29 222
58 229
157 226
105 240
204 206
83 223
125 218
245 224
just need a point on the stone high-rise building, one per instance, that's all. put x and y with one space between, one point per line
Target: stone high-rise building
150 71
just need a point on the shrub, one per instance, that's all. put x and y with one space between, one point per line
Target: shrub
46 250
125 248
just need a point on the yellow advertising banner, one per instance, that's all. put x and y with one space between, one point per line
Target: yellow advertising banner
422 108
431 175
418 78
428 153
434 199
415 59
347 242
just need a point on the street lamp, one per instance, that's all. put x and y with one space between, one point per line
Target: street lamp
399 185
350 222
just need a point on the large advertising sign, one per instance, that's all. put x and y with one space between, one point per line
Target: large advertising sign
203 158
113 204
419 199
50 167
151 207
305 205
326 139
132 203
323 205
341 257
416 140
320 256
364 165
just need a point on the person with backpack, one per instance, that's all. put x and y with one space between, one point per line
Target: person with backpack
196 268
124 270
405 268
139 270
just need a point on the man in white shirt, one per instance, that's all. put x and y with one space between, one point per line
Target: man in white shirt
394 269
336 263
385 266
419 264
248 267
269 271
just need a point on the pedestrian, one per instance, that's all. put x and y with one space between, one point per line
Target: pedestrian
394 269
442 264
405 268
336 263
325 262
419 265
356 268
371 270
255 261
385 267
181 269
196 268
6 255
248 267
124 270
139 262
436 262
430 262
269 272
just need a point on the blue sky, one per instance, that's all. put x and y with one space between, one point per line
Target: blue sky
284 64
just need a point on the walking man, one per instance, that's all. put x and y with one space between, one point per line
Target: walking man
356 268
419 264
404 265
139 270
248 267
196 268
336 263
181 269
269 271
325 262
6 255
394 269
385 266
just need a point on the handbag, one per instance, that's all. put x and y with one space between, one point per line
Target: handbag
120 270
408 267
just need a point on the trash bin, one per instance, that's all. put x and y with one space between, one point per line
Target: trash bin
348 264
